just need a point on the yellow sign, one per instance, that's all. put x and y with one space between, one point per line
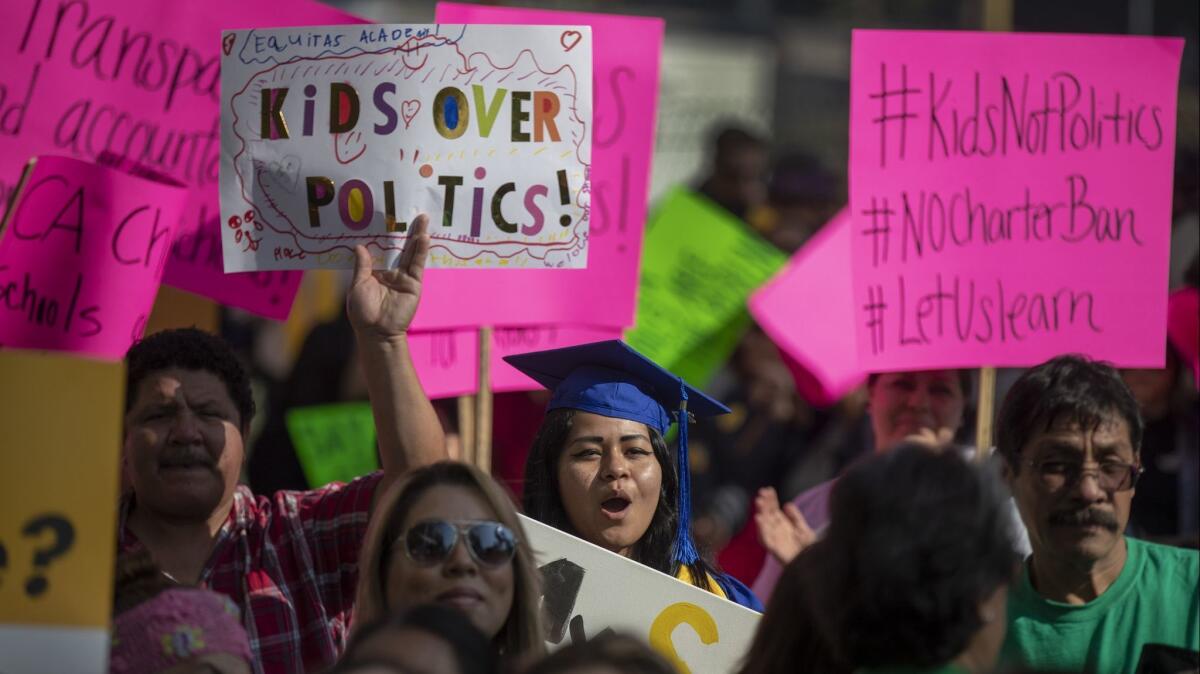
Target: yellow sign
61 420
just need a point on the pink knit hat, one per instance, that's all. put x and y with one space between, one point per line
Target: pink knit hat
174 627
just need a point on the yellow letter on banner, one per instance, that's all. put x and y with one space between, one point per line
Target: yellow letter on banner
673 616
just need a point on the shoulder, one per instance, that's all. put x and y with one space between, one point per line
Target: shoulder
815 494
737 591
814 503
1176 569
329 502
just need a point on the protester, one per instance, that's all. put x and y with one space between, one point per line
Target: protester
288 562
1090 598
735 454
599 468
426 638
448 534
162 628
1166 508
802 195
738 178
912 573
607 653
900 404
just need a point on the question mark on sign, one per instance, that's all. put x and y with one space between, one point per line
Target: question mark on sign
673 616
64 538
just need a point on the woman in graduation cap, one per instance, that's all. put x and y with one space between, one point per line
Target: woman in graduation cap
600 469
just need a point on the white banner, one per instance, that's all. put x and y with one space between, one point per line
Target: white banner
340 135
588 589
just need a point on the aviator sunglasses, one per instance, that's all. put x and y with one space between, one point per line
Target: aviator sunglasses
431 542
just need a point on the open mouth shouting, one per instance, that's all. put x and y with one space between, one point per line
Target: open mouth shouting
616 507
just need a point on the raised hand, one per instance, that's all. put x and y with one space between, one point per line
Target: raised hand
783 531
936 440
381 304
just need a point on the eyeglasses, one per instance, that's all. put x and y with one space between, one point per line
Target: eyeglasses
431 541
1112 476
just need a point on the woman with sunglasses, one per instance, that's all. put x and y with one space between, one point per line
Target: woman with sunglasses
448 534
600 469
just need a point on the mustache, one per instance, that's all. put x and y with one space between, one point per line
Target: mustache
1085 517
184 455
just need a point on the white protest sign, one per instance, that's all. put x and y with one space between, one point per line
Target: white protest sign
341 135
587 589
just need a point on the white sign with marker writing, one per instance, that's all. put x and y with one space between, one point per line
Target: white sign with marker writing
587 589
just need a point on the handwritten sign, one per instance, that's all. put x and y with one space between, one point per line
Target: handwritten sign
81 257
1011 197
197 265
587 589
701 264
447 361
341 135
139 78
626 73
807 310
58 491
335 443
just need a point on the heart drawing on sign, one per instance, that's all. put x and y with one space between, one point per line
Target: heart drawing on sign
569 39
409 110
286 172
227 43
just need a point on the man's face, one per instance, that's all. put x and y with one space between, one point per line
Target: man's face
1060 490
183 444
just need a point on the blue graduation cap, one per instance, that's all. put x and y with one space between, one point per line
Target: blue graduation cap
611 379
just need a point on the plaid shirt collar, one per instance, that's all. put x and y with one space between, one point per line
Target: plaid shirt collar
237 522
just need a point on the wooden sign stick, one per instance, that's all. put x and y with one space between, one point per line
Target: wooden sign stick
987 405
483 404
466 428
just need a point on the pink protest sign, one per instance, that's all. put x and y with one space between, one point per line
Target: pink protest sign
447 361
1010 196
81 256
625 70
510 341
807 310
138 78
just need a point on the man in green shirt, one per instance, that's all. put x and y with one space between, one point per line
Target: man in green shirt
1089 599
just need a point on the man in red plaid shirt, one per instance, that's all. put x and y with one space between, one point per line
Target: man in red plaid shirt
290 562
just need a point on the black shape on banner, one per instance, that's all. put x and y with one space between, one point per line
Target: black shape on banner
64 538
561 580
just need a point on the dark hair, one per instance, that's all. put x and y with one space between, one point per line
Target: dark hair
623 653
189 349
964 382
1068 388
543 502
727 138
788 638
917 539
522 631
472 651
137 579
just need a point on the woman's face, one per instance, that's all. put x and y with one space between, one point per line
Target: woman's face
609 480
484 593
903 403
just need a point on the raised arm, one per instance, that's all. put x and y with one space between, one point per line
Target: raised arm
381 305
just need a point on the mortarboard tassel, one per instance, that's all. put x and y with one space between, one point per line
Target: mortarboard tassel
685 550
